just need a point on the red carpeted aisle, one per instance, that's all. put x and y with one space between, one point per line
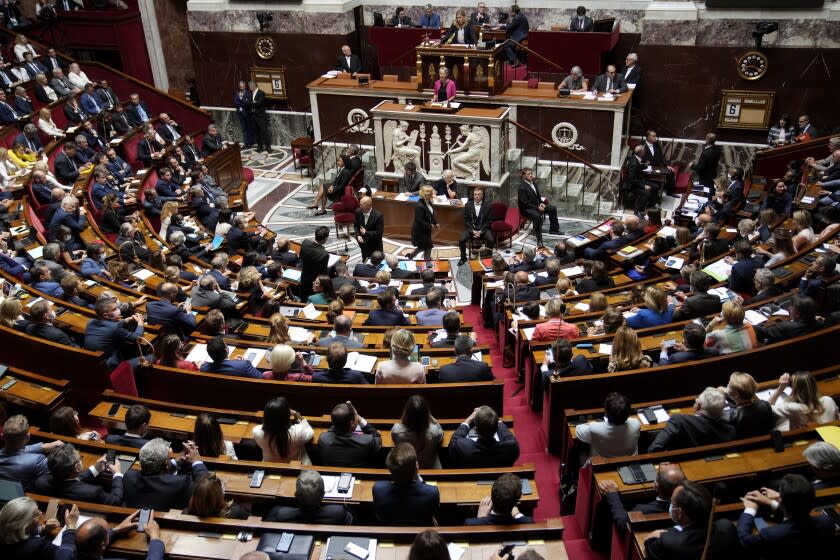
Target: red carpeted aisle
527 425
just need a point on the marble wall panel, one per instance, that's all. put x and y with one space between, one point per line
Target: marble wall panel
284 126
175 41
245 21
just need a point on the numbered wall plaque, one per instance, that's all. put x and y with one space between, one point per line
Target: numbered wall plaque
745 109
272 81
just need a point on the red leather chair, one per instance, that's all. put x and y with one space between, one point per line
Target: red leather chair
302 158
344 212
504 229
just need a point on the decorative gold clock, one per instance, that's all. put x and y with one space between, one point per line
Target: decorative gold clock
752 65
265 47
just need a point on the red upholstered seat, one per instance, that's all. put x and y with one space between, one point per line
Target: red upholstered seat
302 158
248 174
504 229
498 211
344 212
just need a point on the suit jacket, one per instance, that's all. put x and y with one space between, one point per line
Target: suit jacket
691 430
210 144
783 330
685 356
365 270
411 504
42 95
120 122
707 164
62 87
633 77
688 544
655 156
145 149
90 104
349 450
74 114
466 453
743 273
576 25
327 514
750 420
49 332
173 319
314 259
421 229
82 489
167 132
23 105
25 466
113 338
257 104
346 376
8 114
354 66
76 222
236 368
465 370
161 492
411 184
221 279
374 229
469 36
787 539
107 98
126 440
42 548
347 341
386 318
619 513
528 200
517 28
480 222
132 113
600 84
765 295
697 305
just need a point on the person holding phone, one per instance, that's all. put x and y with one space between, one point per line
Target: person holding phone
95 535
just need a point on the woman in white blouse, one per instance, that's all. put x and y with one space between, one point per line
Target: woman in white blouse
400 369
804 405
804 233
78 78
281 440
47 126
22 46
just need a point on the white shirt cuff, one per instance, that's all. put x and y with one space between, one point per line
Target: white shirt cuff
93 470
117 475
362 422
750 511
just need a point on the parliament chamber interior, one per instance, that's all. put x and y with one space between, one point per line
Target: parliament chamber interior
300 280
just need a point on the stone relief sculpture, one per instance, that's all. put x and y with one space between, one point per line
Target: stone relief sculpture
470 152
400 146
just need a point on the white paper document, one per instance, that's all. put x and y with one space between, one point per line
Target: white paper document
310 312
361 362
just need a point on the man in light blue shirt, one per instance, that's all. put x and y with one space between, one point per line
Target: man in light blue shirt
429 18
433 315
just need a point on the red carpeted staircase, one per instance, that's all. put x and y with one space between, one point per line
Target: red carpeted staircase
532 442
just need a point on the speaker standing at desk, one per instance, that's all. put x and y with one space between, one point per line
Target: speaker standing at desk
460 32
444 88
581 22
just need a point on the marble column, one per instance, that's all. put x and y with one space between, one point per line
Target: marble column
150 29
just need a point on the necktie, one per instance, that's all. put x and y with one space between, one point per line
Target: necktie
73 163
609 85
96 108
143 116
108 97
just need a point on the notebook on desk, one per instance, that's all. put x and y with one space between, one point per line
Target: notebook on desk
301 548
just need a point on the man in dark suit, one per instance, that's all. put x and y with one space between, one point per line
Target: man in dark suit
175 319
523 289
29 138
691 505
743 271
368 227
314 260
411 181
348 62
212 141
616 241
819 274
19 461
427 279
218 352
94 536
343 327
580 21
552 273
405 500
52 61
517 29
766 289
107 98
452 325
41 316
482 449
237 238
704 427
8 114
309 493
136 425
465 369
259 118
798 530
706 165
480 15
668 477
652 150
699 303
501 508
220 270
691 348
530 261
388 314
119 120
283 253
610 82
400 19
477 223
136 111
69 480
369 270
631 71
337 372
156 485
206 214
534 207
114 336
803 320
341 446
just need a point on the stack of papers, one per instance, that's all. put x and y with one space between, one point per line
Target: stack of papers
806 200
720 270
754 317
581 306
142 274
576 241
310 312
300 335
662 416
667 231
605 349
572 271
361 362
410 266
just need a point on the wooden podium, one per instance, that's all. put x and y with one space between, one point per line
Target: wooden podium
475 71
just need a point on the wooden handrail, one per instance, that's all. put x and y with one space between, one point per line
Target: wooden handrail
340 130
538 55
553 144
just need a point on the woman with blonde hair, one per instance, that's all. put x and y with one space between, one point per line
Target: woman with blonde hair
657 312
282 358
735 336
627 352
250 282
380 282
751 416
25 536
10 310
804 405
804 232
565 288
170 208
597 301
208 500
424 224
47 125
683 236
334 309
278 331
399 369
782 246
